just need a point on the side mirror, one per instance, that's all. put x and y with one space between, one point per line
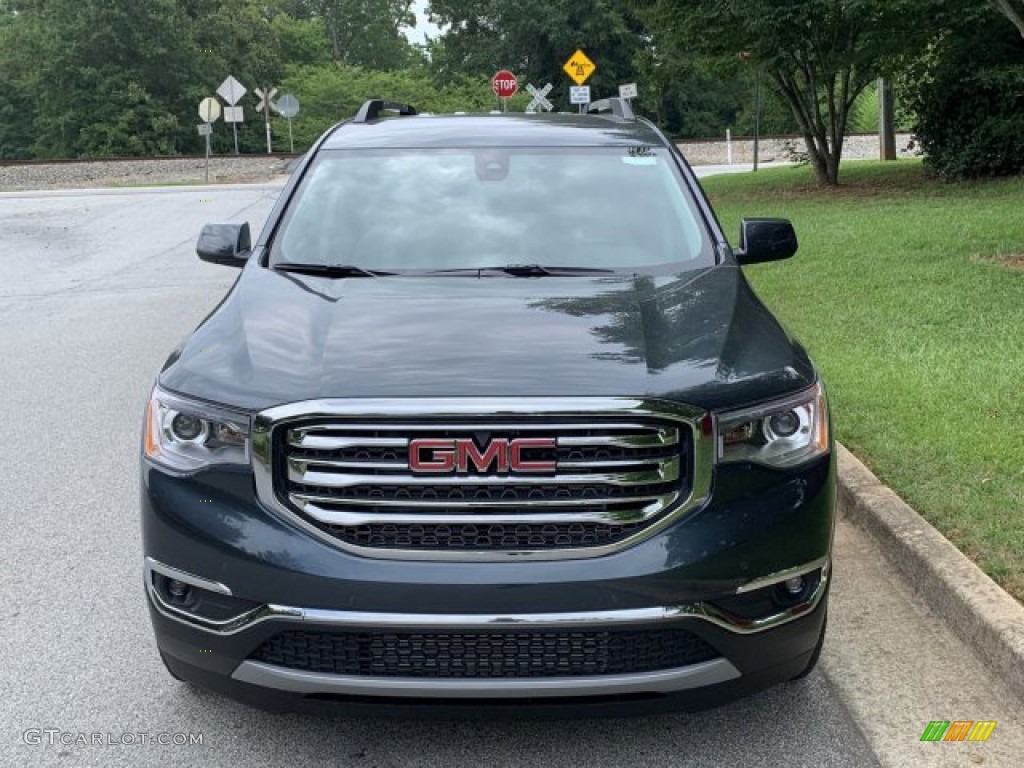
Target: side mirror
766 240
227 244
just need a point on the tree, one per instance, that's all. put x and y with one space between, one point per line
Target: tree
99 77
1013 10
333 92
534 38
367 33
820 54
967 92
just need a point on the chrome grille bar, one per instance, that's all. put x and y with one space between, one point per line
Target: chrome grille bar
668 435
307 438
314 498
398 466
299 471
624 516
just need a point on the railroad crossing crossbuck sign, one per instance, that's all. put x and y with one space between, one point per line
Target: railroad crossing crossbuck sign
266 96
539 98
266 99
579 67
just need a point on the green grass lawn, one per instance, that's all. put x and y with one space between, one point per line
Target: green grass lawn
909 294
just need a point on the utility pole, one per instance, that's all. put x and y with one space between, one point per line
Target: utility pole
757 118
886 121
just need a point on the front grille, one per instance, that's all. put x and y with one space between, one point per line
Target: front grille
485 654
499 536
605 480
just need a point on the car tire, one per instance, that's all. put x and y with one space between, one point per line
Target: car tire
813 661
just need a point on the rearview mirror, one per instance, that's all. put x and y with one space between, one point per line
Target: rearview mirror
227 244
766 240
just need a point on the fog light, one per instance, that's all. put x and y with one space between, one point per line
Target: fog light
177 589
795 585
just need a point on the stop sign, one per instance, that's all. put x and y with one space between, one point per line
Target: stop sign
504 84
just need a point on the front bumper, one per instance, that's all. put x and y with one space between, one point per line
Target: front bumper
713 573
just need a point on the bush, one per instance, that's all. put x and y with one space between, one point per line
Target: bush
333 92
968 94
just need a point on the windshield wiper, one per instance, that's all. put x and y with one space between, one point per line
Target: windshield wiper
525 270
330 270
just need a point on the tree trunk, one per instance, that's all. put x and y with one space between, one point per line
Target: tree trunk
818 162
1015 15
813 129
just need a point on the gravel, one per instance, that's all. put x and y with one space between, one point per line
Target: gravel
139 172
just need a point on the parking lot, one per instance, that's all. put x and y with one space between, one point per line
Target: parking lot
97 289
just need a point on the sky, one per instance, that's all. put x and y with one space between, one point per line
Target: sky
423 27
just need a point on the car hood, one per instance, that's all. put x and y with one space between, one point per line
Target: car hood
699 337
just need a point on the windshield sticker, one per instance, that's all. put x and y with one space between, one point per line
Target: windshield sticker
641 160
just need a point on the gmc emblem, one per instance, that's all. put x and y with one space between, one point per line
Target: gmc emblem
456 454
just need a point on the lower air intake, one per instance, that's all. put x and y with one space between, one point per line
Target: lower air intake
485 654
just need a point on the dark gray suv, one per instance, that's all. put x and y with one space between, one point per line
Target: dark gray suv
490 416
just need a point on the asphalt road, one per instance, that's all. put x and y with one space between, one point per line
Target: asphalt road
95 290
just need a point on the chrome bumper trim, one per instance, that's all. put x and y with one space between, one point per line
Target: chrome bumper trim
699 611
781 576
183 576
665 681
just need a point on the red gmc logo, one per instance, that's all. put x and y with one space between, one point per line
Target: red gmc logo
456 454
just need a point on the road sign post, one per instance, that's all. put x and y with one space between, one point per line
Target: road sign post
579 67
209 111
266 96
205 129
288 107
505 85
232 91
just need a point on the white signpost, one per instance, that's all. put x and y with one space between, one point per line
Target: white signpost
288 107
232 91
209 111
579 94
628 91
540 100
266 97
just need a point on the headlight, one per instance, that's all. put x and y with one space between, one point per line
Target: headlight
186 435
780 434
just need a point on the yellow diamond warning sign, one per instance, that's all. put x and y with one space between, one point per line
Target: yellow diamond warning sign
579 67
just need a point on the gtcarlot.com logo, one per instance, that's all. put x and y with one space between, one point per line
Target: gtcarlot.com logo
57 737
958 730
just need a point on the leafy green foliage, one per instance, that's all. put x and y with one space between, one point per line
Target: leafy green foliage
335 92
367 33
122 77
968 95
534 38
821 54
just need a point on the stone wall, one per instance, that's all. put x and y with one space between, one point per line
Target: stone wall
779 148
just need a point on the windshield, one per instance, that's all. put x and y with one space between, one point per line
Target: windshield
399 210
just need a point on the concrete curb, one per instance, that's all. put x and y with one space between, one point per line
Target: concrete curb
983 615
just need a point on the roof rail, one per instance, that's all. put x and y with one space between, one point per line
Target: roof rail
371 110
614 105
